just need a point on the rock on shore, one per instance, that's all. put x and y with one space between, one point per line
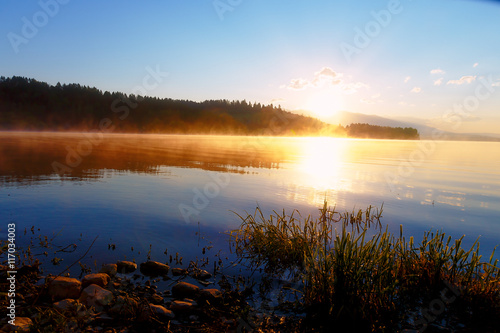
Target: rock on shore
106 298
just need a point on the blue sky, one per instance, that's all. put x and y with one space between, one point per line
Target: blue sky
438 60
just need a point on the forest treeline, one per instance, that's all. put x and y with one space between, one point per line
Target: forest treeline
381 132
28 104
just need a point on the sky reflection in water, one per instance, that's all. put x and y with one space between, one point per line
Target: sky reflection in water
132 190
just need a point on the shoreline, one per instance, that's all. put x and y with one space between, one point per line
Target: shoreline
125 297
152 296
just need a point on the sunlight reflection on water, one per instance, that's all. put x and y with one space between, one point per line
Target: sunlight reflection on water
130 188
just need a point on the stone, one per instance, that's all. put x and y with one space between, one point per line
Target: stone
179 271
189 300
110 269
181 306
65 304
125 306
101 279
184 289
125 266
154 268
156 299
64 287
161 311
22 324
96 296
211 295
201 274
103 318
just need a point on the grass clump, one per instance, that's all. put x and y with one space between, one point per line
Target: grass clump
354 273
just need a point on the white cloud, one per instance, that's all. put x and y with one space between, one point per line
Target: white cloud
298 84
416 90
326 77
496 84
462 80
277 100
351 88
326 71
408 78
437 71
475 65
438 82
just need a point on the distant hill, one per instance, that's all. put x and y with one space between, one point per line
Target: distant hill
345 118
28 104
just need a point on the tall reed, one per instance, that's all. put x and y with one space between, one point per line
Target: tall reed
355 271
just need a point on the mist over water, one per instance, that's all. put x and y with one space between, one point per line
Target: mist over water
181 192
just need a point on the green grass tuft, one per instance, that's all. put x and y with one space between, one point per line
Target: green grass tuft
356 273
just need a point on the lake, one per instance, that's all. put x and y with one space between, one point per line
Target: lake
180 193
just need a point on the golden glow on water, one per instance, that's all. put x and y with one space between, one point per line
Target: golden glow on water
302 170
321 163
453 185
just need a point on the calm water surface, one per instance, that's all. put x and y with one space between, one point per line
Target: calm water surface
181 192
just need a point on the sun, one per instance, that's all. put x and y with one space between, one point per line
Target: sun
324 104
